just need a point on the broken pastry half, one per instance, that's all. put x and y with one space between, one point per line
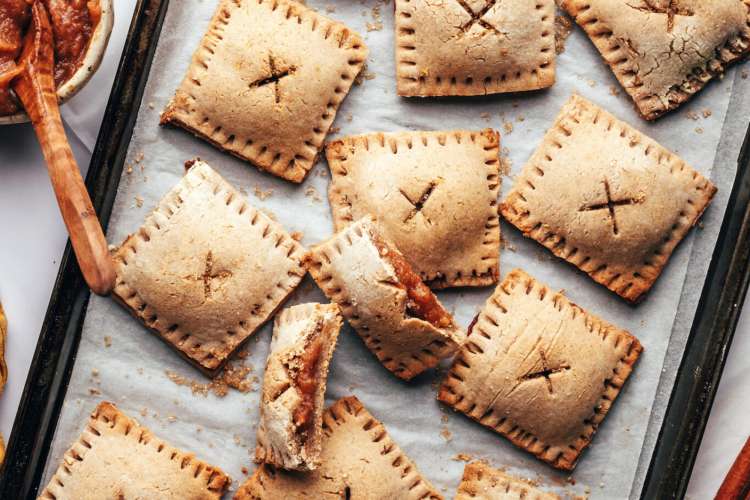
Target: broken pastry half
266 82
482 482
294 384
664 51
359 460
116 458
539 370
398 317
475 47
206 270
606 198
434 195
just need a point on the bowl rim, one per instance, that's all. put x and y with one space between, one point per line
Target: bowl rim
91 62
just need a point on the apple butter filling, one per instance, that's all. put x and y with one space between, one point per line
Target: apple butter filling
422 302
73 24
307 384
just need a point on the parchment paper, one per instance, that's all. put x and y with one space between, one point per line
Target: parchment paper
120 361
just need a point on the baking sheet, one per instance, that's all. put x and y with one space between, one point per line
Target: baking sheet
120 361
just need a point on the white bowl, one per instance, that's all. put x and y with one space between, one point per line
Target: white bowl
89 65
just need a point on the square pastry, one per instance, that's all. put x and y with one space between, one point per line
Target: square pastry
116 458
474 47
294 385
482 482
206 270
395 313
539 370
664 51
359 460
266 82
606 198
434 195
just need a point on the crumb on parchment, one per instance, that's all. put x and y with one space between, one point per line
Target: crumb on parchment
236 375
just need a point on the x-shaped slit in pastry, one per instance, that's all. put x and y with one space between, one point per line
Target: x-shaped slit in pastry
668 7
477 17
610 205
275 77
545 372
419 203
209 275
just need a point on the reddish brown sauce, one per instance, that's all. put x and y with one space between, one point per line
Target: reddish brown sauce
422 302
73 23
306 381
14 17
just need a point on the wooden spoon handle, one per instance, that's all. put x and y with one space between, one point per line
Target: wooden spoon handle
35 87
86 233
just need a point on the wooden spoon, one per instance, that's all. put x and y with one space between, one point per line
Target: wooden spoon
35 87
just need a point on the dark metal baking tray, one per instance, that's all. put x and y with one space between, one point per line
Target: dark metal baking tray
691 397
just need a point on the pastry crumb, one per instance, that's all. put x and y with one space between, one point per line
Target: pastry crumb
508 128
260 194
692 115
93 391
485 116
563 27
744 74
698 130
446 434
107 341
706 113
462 457
144 411
235 375
138 201
312 193
613 90
297 235
244 470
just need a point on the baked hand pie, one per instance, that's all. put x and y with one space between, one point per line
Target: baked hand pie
539 370
395 313
266 82
116 458
474 47
294 385
664 51
606 198
206 270
434 195
482 482
359 460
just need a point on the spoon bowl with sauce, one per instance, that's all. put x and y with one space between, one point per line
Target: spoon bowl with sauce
79 49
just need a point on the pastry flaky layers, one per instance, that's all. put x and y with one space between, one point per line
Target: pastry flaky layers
294 384
606 198
359 460
206 270
539 370
475 47
664 51
395 313
434 195
482 482
266 82
116 458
